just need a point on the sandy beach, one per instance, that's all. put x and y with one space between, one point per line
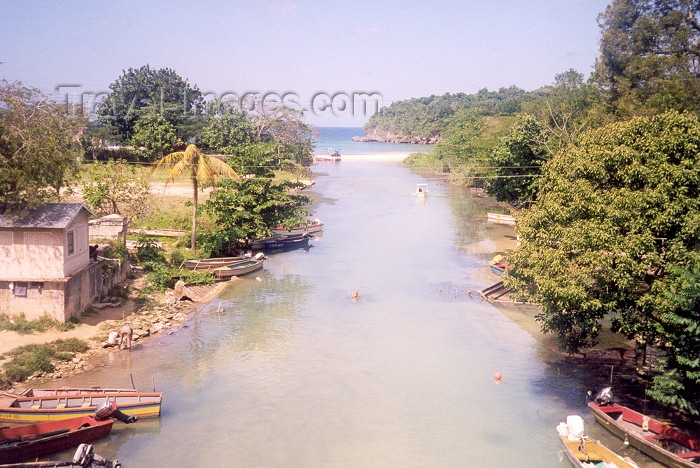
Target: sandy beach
372 157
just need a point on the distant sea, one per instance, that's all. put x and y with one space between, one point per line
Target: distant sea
341 138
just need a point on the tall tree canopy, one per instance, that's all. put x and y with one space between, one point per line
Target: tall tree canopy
517 161
146 91
617 211
39 154
650 55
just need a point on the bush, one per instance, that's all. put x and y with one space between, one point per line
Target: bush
21 325
148 251
28 359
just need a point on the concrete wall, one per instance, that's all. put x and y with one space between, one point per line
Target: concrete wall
42 254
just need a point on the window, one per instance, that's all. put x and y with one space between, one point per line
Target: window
20 289
6 247
70 248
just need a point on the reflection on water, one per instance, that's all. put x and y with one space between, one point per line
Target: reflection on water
286 369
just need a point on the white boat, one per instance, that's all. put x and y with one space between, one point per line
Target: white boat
240 268
500 218
421 190
311 228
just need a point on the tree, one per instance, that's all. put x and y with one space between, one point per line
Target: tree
650 55
156 135
229 133
677 305
616 210
116 187
39 152
517 161
201 169
566 109
143 92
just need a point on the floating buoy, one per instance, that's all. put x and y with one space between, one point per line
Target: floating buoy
356 294
497 378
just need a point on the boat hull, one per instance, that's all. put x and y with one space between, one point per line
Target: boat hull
500 218
59 407
592 451
238 269
209 264
627 425
28 442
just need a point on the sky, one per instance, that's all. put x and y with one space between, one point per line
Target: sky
324 57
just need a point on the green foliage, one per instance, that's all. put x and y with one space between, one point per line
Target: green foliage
245 209
566 109
200 168
38 154
517 162
163 277
146 91
615 211
676 306
116 187
148 252
21 325
427 161
649 52
428 117
28 359
229 133
155 135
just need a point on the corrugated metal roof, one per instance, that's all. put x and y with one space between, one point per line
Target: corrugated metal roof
48 216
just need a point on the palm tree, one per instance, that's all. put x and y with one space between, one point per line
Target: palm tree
200 167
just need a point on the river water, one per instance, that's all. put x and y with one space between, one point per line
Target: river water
286 369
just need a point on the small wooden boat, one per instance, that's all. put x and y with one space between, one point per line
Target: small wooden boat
311 228
64 406
209 264
497 265
585 452
500 218
283 243
240 268
660 441
67 391
30 441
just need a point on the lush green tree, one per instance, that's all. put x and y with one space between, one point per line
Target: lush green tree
230 133
116 187
676 306
200 168
145 91
245 209
650 55
566 109
39 151
155 135
517 162
616 210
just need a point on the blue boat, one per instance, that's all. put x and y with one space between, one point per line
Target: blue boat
284 243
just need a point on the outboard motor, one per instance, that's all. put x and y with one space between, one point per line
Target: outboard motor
604 396
108 409
86 457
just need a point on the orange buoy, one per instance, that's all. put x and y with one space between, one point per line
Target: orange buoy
497 377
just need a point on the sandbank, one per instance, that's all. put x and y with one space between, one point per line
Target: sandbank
383 157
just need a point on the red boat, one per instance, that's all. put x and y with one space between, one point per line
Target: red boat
30 441
660 441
